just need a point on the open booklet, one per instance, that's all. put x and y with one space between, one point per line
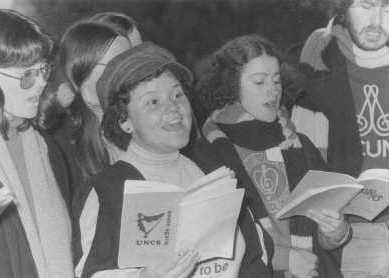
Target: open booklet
366 196
158 218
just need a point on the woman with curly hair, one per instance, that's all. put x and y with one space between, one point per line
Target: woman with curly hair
144 93
242 90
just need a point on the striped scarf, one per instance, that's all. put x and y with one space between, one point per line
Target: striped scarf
240 136
48 231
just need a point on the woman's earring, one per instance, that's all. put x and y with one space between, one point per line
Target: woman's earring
126 126
128 129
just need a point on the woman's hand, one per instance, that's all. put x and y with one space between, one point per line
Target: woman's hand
331 223
178 267
303 263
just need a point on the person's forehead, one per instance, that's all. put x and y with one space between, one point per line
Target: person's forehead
372 2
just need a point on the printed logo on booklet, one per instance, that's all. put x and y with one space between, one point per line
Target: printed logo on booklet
155 228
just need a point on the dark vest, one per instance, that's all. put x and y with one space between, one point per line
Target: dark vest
109 186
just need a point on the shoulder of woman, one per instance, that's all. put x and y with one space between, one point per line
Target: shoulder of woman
203 154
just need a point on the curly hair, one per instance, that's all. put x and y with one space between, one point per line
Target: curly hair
219 83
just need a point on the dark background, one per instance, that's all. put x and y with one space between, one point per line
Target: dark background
193 28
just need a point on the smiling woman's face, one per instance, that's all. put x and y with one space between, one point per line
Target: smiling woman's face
160 114
260 87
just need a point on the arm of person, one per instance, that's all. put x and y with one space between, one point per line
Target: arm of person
87 225
178 267
300 262
303 263
280 259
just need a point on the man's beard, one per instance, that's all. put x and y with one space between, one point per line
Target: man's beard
361 39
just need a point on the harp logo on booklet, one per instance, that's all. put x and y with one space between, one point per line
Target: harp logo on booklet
149 223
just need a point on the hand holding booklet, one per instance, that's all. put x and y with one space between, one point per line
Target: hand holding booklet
366 196
158 219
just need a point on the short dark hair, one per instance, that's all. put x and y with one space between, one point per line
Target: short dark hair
219 82
340 7
122 23
22 44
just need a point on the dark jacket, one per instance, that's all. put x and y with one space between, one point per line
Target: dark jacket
329 92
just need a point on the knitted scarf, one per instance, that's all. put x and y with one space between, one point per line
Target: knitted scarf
231 129
48 234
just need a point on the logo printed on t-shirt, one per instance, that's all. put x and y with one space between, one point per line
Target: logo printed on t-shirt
373 124
372 117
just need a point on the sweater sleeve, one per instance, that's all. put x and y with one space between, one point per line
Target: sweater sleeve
87 224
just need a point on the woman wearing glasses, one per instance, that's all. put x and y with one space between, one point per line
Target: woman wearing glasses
35 231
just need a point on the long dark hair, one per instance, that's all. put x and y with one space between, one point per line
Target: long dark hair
22 44
122 23
82 46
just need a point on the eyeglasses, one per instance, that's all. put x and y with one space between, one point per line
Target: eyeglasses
28 78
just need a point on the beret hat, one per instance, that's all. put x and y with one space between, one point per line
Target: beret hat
134 65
